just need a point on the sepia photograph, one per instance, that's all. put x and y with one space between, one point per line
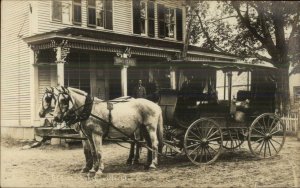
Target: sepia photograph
150 93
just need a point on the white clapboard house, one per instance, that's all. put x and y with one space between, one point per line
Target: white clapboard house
100 46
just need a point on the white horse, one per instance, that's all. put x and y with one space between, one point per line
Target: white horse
98 120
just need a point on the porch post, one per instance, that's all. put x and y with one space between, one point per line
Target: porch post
173 77
60 67
34 104
124 80
61 55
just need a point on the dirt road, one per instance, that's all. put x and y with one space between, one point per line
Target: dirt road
50 166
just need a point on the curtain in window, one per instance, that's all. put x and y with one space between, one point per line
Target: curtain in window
57 10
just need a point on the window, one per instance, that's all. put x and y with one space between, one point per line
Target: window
143 17
170 22
91 12
57 10
77 11
100 13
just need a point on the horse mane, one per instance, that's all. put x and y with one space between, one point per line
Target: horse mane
78 91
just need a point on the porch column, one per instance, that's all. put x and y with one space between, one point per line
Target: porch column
34 103
173 77
61 54
124 80
60 67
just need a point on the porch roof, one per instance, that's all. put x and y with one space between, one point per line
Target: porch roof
110 38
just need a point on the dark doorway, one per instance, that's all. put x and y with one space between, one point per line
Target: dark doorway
77 71
114 82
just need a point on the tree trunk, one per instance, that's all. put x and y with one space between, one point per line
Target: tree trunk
283 90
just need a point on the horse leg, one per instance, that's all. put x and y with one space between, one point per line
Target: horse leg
88 156
154 141
98 165
138 147
137 154
145 134
131 154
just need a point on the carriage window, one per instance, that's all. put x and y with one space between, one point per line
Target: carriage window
240 82
57 10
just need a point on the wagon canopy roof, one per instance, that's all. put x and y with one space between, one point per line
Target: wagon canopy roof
221 65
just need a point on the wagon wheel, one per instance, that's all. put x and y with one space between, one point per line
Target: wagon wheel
169 149
266 135
232 139
202 141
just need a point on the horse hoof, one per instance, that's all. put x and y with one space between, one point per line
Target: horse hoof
152 167
91 174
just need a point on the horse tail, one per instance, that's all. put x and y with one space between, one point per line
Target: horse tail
160 133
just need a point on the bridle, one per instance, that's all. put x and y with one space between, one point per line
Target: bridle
49 95
69 115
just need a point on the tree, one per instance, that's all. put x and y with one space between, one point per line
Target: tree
266 30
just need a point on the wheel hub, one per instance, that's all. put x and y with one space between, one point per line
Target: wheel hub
204 142
268 136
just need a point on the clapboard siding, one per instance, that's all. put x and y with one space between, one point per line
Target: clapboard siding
15 68
122 15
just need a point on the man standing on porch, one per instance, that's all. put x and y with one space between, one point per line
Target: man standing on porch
139 90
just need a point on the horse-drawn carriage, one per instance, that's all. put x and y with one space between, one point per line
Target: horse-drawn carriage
195 123
201 126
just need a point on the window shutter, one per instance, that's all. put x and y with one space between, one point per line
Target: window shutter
108 15
179 24
161 20
136 16
151 31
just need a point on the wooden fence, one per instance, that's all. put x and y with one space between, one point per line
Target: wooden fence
291 121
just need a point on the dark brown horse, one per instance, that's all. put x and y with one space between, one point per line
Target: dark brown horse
99 120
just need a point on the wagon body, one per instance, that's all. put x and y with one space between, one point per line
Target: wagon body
202 127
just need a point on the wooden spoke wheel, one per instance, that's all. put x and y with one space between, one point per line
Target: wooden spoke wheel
232 139
203 141
170 145
266 135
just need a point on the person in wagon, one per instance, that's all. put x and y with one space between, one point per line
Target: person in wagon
139 90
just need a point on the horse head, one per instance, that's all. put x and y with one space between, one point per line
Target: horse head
48 101
68 101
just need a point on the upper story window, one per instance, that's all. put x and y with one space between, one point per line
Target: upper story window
143 17
77 11
57 10
100 13
169 22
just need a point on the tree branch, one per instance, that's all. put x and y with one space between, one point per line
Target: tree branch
210 41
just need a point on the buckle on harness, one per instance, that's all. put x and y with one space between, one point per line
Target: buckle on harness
110 106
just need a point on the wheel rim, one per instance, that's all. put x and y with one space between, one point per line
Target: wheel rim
266 136
202 141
